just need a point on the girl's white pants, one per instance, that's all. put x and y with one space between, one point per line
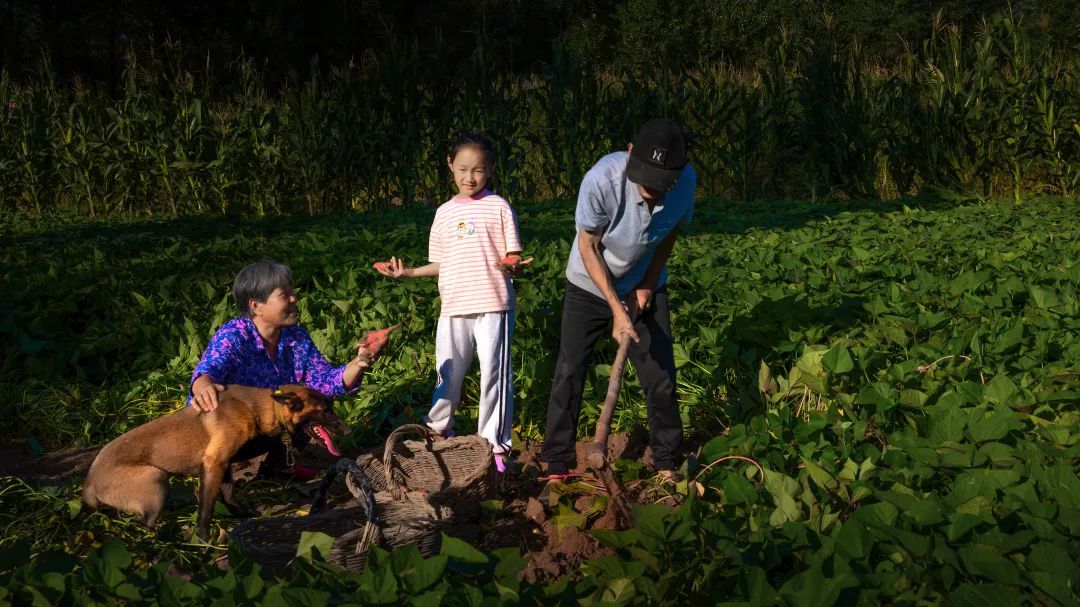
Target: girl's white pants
455 338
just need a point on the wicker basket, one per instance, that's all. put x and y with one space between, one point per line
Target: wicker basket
457 472
375 519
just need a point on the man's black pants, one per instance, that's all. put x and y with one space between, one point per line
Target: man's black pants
585 319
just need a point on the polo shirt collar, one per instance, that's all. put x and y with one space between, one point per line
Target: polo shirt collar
634 195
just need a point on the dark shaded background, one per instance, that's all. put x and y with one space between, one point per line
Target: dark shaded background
90 38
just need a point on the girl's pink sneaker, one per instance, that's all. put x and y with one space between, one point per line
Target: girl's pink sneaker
501 462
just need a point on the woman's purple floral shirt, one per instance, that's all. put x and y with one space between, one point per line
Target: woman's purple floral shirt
236 355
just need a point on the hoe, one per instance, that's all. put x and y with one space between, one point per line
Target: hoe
598 450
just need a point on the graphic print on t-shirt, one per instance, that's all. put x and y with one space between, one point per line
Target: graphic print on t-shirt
465 228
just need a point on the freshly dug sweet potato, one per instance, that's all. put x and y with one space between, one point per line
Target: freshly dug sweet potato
375 341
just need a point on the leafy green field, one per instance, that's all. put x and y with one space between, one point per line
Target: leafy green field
906 376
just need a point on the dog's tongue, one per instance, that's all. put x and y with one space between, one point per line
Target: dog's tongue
327 440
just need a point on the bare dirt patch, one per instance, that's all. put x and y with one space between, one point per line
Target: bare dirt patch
524 516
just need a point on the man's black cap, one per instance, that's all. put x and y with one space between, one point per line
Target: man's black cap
659 155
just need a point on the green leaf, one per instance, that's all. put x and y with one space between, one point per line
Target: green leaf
619 591
383 586
982 561
999 454
179 592
984 482
881 514
927 511
1010 338
876 306
985 595
782 488
990 425
510 563
460 550
838 360
881 396
738 490
968 281
1052 559
947 426
432 598
853 541
18 553
404 558
820 476
766 383
128 591
1043 298
811 372
314 540
649 520
425 573
812 588
979 506
1001 390
306 597
114 554
100 566
567 517
225 584
252 585
918 544
754 584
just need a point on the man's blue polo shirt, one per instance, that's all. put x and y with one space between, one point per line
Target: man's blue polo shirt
610 203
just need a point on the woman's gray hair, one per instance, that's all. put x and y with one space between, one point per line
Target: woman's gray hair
257 281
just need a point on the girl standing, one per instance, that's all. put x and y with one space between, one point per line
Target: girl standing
474 247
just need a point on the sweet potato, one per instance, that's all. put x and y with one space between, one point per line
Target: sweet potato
375 341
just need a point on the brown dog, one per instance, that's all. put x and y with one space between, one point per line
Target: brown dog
131 473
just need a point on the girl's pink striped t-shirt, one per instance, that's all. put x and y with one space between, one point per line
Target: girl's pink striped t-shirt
468 237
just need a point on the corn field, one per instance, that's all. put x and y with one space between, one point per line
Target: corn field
986 114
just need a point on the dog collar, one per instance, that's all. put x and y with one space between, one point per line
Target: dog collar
278 417
286 437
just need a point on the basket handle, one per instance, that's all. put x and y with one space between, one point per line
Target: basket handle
388 452
360 487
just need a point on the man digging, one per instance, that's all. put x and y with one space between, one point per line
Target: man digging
631 207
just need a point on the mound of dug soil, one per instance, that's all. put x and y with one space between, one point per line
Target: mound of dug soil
528 517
